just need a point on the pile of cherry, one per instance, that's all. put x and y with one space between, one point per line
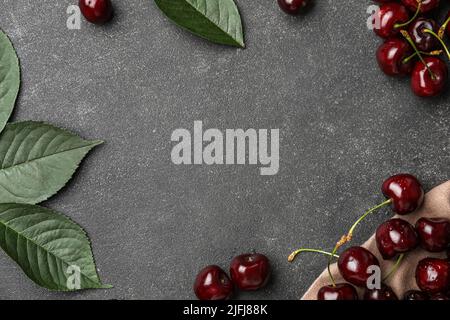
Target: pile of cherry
394 239
413 43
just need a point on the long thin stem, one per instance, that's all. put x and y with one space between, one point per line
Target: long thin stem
394 267
439 39
401 25
406 35
296 252
431 53
352 229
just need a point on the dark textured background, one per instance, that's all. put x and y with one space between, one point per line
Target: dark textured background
344 127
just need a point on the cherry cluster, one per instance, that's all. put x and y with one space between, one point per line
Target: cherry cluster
413 43
249 272
394 239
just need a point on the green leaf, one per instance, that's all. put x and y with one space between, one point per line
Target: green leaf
37 160
216 20
9 79
52 250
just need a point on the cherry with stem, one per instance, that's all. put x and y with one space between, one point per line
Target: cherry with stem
413 45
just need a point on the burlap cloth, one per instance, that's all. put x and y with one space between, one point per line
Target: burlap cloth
436 204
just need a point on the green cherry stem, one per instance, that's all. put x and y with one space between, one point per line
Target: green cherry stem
439 39
401 25
406 35
296 252
431 53
394 267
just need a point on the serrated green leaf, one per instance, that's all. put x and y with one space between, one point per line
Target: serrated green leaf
37 160
9 79
52 250
216 20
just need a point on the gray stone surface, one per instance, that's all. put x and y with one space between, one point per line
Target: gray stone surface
344 127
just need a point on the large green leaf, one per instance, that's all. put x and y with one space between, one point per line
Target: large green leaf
9 79
37 160
51 249
216 20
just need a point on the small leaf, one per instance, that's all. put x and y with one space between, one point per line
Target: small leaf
9 79
52 250
37 160
215 20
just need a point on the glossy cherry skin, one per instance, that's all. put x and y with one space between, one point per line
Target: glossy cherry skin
212 283
96 11
427 5
390 57
353 264
405 191
434 234
447 28
422 84
388 16
293 6
415 295
439 296
433 275
342 291
250 271
385 293
424 41
395 236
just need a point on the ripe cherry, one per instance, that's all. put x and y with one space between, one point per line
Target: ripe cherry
433 275
293 6
396 236
96 11
342 291
427 5
429 81
434 234
424 41
415 295
353 265
405 191
390 16
439 296
385 293
391 57
212 283
250 271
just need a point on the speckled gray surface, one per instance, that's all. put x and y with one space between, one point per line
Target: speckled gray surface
344 127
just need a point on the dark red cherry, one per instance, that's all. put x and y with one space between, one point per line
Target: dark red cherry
389 15
395 236
439 296
427 5
212 283
342 291
293 6
433 275
415 295
424 84
424 41
447 28
353 265
250 271
434 233
385 293
96 11
391 55
405 191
